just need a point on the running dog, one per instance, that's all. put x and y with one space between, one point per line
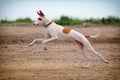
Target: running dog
55 32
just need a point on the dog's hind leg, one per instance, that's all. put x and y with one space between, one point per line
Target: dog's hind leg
100 56
80 45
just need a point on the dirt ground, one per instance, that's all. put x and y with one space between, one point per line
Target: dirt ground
62 60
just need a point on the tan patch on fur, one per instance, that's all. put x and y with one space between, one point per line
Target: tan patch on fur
87 36
79 44
66 30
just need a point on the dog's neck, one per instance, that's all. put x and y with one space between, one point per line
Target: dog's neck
47 22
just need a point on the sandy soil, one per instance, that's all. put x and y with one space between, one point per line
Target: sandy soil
62 60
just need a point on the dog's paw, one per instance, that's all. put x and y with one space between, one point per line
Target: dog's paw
106 61
86 65
30 45
45 48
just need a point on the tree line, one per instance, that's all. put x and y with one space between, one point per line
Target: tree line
65 20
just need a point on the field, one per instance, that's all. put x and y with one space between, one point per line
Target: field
62 60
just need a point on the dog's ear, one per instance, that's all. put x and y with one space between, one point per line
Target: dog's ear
40 13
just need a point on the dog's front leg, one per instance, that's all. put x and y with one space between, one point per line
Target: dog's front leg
35 41
50 39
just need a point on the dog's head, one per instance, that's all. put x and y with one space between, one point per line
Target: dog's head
40 20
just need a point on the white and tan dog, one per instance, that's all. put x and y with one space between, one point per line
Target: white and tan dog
55 31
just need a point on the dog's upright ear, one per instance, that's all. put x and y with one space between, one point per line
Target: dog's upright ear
40 13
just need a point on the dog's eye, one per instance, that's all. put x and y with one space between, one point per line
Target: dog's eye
39 19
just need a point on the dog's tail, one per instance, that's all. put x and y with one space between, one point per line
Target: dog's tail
94 36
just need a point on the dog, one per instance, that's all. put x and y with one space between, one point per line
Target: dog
58 32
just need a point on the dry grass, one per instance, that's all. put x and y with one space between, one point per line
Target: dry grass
62 60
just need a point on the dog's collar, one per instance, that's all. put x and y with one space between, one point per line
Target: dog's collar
48 24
